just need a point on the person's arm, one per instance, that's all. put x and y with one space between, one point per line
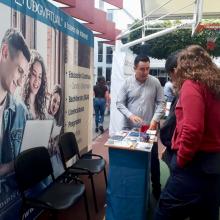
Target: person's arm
193 122
160 108
107 97
22 115
121 105
93 91
165 91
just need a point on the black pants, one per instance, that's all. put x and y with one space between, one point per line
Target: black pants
189 192
155 168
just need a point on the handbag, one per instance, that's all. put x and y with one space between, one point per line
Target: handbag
167 129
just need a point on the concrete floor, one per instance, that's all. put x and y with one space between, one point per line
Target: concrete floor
105 125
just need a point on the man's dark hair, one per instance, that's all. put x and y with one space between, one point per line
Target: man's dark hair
101 79
16 42
171 61
141 58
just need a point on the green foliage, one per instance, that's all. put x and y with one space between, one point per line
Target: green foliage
161 47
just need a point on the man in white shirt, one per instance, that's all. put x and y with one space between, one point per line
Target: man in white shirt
141 99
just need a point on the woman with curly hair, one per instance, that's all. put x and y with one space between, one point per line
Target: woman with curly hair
193 188
35 87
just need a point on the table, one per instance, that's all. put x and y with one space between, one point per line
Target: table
128 183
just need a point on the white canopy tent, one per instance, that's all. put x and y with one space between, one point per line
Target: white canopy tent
210 9
190 11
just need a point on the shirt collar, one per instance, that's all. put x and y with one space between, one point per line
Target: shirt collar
139 83
10 103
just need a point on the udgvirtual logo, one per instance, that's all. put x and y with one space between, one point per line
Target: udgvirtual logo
19 2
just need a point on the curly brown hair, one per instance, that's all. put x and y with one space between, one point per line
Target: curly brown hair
194 63
40 101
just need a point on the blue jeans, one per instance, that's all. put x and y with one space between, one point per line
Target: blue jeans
189 192
99 107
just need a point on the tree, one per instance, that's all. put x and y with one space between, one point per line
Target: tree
162 46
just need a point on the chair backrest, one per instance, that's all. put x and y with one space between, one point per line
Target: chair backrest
32 166
68 146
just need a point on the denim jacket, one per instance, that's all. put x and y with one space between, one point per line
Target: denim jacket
14 119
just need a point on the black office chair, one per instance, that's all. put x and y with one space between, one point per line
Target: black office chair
85 164
34 165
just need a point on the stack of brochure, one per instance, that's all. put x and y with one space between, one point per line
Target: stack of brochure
133 139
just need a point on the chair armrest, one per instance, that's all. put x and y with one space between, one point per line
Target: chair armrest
77 169
91 155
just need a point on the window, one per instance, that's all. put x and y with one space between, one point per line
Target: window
110 15
100 51
14 19
160 74
108 74
23 24
153 72
109 54
99 71
83 55
26 25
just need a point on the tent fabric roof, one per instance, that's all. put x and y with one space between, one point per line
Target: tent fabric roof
211 8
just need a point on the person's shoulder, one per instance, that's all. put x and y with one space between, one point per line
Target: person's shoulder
193 87
17 108
19 105
95 86
168 83
191 84
128 81
131 79
154 80
105 88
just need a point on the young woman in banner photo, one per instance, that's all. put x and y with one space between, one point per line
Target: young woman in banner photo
35 87
55 112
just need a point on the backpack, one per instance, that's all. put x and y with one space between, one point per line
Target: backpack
167 129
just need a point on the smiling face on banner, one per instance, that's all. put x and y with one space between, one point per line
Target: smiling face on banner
13 69
55 103
36 78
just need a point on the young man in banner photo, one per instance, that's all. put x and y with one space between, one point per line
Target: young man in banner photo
14 58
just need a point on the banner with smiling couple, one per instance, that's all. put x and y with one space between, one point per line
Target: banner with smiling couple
46 69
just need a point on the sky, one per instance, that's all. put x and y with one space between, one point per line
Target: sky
122 17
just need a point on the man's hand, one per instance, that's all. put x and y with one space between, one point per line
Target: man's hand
135 119
153 125
107 105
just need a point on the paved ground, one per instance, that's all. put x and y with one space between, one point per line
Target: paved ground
105 125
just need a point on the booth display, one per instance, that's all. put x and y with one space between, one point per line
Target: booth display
129 169
48 70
